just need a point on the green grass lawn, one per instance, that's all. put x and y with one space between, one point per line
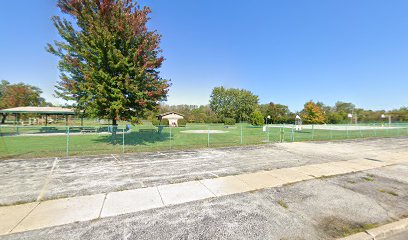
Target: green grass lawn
28 145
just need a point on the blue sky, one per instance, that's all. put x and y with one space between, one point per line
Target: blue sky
287 51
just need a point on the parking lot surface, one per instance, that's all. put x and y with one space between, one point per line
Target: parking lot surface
326 207
24 181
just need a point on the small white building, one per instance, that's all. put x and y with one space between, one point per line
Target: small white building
173 117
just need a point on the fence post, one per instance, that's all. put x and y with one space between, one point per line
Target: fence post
282 134
123 140
171 137
267 130
208 136
375 130
293 134
331 131
67 141
241 135
359 128
312 131
347 132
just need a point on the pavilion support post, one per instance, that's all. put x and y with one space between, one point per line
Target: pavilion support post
46 120
3 118
66 120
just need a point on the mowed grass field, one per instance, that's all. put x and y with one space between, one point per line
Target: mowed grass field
33 142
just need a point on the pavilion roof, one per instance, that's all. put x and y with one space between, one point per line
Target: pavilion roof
40 110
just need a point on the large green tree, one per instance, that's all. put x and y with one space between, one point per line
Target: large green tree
233 103
19 95
343 109
278 113
109 60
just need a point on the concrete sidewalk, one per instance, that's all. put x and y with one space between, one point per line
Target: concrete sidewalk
36 215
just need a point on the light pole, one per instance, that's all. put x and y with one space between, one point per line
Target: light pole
389 118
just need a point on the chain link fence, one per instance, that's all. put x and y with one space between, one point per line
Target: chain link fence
64 141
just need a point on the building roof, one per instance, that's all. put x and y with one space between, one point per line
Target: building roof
169 113
40 110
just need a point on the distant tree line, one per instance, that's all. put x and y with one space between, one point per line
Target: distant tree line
227 105
243 106
340 111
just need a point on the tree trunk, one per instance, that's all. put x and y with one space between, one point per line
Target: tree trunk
114 130
3 119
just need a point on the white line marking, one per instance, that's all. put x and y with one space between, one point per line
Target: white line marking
215 175
115 158
47 181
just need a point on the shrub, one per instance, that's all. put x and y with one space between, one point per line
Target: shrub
257 118
155 122
182 122
164 122
229 121
212 119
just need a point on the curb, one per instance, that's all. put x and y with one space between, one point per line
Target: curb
381 232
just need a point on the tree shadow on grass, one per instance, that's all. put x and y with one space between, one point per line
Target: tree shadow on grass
134 138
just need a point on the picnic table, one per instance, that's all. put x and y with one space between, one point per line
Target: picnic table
89 130
48 129
83 129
